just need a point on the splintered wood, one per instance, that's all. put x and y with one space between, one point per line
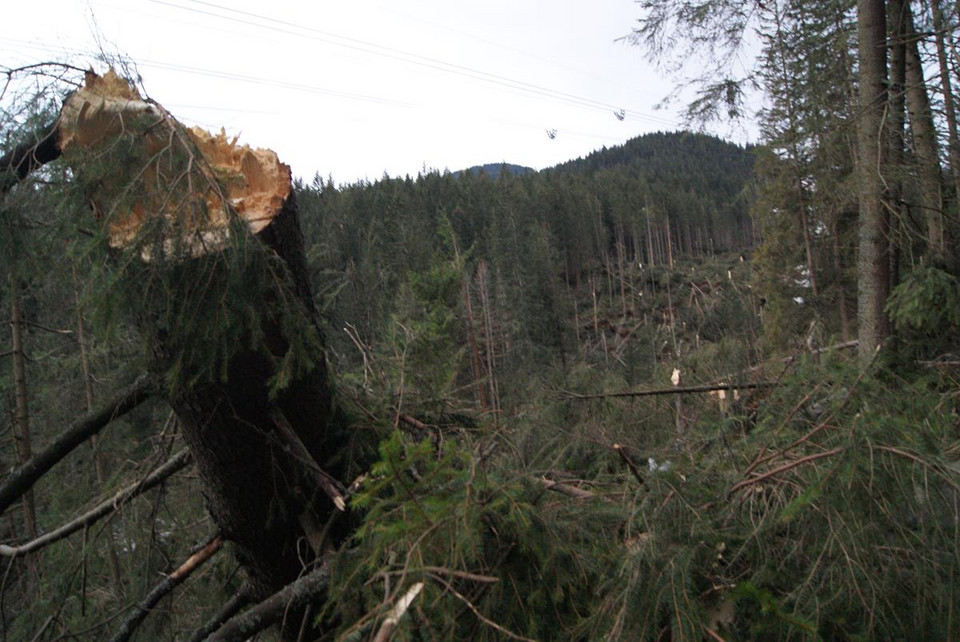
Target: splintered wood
190 181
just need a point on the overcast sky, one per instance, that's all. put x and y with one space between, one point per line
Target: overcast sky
357 88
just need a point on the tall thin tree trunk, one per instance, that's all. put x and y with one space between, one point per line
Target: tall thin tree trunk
873 259
621 261
647 214
924 141
666 227
794 148
484 292
949 107
112 557
896 154
22 415
841 289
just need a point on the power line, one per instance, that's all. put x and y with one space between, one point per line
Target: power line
313 89
227 75
273 24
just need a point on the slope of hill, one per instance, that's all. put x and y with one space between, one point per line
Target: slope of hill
493 170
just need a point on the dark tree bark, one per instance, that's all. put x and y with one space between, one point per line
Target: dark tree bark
950 115
257 486
272 610
896 130
260 486
29 155
924 141
873 262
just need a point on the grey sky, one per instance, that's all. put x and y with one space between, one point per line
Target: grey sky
361 87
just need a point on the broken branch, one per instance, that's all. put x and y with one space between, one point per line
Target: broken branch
271 610
390 622
629 462
566 489
24 477
671 390
233 606
175 463
784 468
27 156
333 488
164 587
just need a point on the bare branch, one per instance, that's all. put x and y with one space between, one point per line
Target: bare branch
333 488
672 390
629 462
783 469
174 464
24 477
566 489
43 148
393 618
164 587
480 616
227 611
271 610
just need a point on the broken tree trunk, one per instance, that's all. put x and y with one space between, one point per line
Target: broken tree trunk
232 328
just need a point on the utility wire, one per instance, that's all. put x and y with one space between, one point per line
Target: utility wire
273 24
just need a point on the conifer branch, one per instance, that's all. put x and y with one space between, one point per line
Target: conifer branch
784 468
22 478
174 464
166 586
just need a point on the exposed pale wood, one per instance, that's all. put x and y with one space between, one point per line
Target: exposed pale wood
390 622
161 590
566 489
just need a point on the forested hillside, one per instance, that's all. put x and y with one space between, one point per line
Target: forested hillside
537 256
678 389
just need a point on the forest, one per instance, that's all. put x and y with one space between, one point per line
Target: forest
676 389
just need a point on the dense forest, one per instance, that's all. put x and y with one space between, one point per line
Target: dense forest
676 389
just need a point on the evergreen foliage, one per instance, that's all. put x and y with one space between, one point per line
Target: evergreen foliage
504 348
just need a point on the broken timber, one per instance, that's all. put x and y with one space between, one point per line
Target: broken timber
205 193
676 390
